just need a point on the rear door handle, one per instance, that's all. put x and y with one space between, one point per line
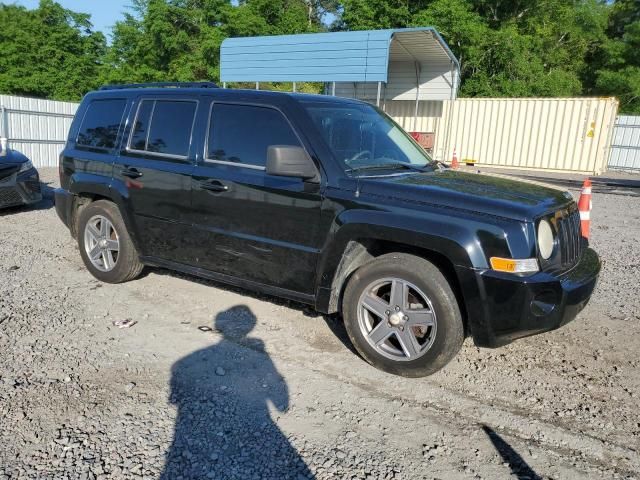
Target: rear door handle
214 186
130 172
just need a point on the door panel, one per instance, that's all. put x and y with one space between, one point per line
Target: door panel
158 200
155 169
259 227
246 223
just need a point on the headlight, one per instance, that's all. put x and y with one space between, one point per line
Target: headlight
546 242
26 166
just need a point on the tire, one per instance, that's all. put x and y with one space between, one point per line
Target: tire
429 315
119 265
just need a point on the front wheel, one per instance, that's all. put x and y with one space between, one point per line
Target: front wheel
402 316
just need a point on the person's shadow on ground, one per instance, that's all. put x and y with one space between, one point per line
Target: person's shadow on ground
224 428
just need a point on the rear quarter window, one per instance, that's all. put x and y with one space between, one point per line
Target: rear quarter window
101 124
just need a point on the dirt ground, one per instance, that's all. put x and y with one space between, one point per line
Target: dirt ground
272 390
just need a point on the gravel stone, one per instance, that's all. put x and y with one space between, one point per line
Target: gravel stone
80 399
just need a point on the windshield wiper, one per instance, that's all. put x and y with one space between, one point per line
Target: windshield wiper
387 166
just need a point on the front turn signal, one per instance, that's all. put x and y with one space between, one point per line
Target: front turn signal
510 265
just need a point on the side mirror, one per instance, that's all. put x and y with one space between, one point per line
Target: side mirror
291 161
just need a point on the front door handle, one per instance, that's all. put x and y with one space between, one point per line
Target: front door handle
130 173
214 186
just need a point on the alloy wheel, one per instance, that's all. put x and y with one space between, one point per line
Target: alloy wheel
101 243
397 319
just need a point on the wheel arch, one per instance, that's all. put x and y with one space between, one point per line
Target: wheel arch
89 188
359 252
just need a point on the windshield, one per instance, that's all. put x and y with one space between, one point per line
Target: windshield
363 138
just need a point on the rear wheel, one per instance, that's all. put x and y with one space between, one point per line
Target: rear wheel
105 246
402 315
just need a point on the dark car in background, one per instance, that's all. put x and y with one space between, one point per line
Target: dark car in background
19 180
325 201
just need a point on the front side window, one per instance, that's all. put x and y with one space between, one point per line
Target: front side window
363 138
101 122
242 133
164 127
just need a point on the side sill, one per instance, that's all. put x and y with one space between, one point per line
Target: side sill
230 280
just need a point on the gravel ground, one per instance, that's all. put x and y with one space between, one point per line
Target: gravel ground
272 390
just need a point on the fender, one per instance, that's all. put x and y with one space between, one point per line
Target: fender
465 240
82 183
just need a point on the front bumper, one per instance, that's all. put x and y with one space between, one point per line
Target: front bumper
20 189
508 307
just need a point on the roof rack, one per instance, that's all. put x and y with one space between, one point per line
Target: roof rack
161 85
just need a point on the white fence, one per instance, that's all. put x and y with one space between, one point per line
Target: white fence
625 147
37 128
554 134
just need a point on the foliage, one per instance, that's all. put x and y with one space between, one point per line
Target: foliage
617 63
48 52
505 48
516 48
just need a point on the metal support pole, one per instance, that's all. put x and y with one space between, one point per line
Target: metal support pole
333 89
384 99
257 85
224 84
3 136
294 87
378 97
415 114
450 113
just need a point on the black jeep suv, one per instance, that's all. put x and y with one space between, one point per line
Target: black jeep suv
325 201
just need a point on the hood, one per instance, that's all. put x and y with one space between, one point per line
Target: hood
12 157
11 162
490 194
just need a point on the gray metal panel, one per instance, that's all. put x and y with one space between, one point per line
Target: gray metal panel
625 145
37 128
319 57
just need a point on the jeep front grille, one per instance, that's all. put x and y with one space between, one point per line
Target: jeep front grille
569 238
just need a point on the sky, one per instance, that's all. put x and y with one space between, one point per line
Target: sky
104 13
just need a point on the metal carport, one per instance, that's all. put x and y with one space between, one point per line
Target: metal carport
375 65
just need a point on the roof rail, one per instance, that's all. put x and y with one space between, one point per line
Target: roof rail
161 85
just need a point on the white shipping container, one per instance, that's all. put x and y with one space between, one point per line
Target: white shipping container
554 134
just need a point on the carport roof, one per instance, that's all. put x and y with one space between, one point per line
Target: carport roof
361 56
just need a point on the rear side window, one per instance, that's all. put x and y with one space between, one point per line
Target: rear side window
164 127
242 133
101 122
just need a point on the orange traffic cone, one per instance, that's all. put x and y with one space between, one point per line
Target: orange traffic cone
584 205
454 160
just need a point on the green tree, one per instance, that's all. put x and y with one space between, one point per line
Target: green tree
179 40
616 65
506 48
48 52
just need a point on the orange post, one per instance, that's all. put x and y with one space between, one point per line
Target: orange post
584 206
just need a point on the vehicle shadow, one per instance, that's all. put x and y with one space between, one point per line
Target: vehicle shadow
48 198
334 321
224 394
519 467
